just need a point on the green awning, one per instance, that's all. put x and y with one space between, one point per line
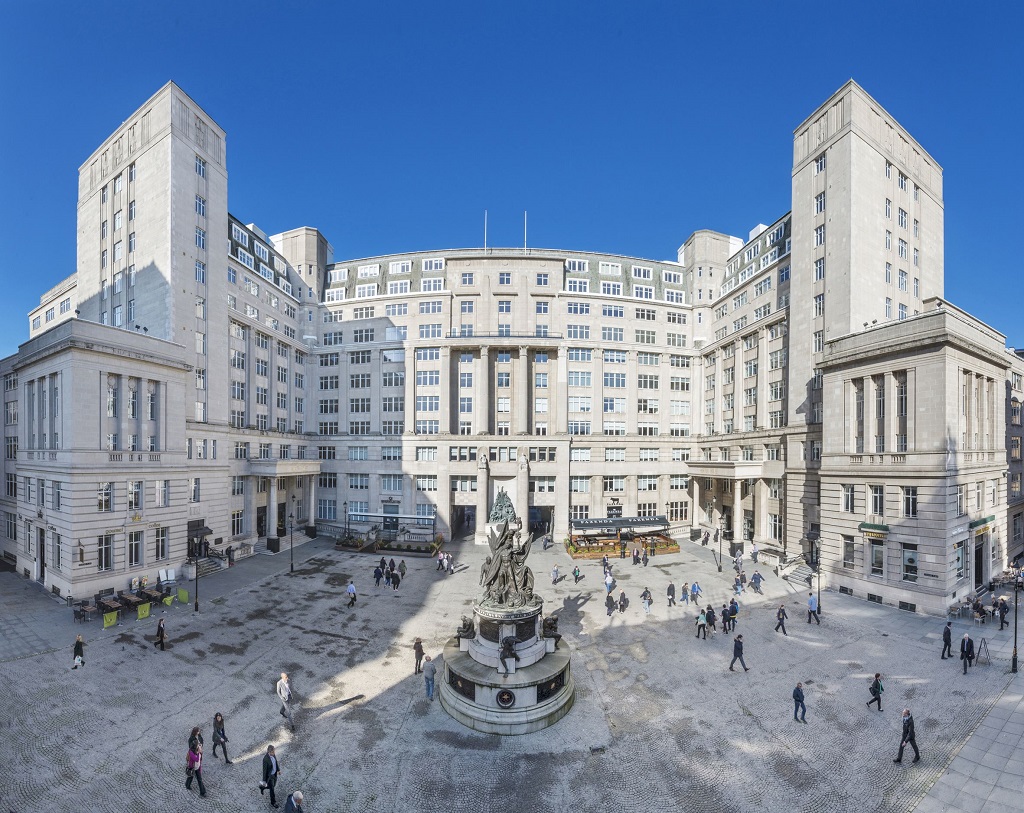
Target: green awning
984 521
870 526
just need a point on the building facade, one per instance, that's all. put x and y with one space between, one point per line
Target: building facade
196 374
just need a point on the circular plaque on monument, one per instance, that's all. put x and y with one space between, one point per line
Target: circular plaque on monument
506 698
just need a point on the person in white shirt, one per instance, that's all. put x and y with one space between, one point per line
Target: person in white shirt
284 694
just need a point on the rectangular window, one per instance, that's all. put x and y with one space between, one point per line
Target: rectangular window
878 501
877 557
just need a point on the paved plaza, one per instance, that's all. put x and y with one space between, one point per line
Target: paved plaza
659 722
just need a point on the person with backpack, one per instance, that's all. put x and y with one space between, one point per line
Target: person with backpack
781 615
576 574
702 625
876 690
712 619
646 598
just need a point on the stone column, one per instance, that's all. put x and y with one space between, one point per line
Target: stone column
445 416
272 508
760 499
891 422
522 385
483 488
870 424
763 388
523 488
719 392
311 512
695 508
737 512
249 506
482 407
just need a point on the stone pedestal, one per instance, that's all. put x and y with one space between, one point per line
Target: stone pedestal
523 696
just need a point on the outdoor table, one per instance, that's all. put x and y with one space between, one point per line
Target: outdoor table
132 601
89 610
153 595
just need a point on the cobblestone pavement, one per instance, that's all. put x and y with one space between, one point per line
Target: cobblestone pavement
659 721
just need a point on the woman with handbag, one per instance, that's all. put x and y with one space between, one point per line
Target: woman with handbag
194 767
220 737
79 652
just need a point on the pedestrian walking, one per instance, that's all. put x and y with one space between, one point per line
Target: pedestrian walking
440 561
271 770
702 625
799 709
645 558
876 688
609 603
417 650
726 618
684 594
967 651
737 562
429 674
670 593
195 738
743 581
695 592
734 611
194 768
378 574
576 575
908 738
79 653
781 615
636 555
704 541
753 553
737 654
284 694
623 601
293 804
161 636
609 582
646 598
1004 610
396 579
737 585
554 575
351 592
402 569
755 582
387 577
709 614
812 608
220 737
383 563
451 564
947 640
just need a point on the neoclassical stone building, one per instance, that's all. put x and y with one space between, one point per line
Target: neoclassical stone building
807 387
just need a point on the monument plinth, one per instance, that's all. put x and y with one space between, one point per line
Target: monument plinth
504 672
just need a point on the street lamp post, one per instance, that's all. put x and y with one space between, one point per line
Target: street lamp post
344 507
291 539
1016 587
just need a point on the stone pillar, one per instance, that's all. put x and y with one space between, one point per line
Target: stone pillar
522 385
523 488
870 423
695 508
482 407
719 392
891 422
763 388
483 489
760 508
311 507
272 508
249 506
737 512
445 417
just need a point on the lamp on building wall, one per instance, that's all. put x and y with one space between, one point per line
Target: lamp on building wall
817 561
344 508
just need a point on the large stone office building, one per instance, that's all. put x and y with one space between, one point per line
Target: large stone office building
806 388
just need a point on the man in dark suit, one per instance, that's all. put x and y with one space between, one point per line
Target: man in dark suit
908 737
967 651
294 803
947 640
271 770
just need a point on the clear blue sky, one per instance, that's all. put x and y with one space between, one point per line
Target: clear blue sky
621 127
